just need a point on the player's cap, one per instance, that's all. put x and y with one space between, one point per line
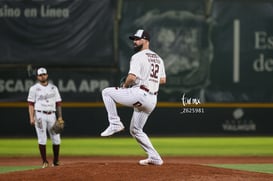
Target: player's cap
41 71
140 34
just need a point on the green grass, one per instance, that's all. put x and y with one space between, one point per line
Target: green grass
126 146
4 169
263 168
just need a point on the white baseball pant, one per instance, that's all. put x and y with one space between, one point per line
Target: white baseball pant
143 104
44 123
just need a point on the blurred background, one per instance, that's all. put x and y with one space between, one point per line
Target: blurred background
218 56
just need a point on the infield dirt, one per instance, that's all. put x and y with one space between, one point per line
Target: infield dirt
127 169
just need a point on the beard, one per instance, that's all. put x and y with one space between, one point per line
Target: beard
43 81
138 48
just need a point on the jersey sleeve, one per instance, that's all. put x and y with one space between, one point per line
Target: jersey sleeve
58 96
31 95
162 72
134 67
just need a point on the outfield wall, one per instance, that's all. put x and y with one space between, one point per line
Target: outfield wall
90 119
218 57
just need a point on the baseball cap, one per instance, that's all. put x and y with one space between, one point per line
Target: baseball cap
140 34
41 71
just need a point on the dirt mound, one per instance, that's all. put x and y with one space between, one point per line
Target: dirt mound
126 168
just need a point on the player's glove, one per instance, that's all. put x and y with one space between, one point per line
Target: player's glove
58 126
122 82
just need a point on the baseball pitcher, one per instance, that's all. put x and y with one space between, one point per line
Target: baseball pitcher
139 91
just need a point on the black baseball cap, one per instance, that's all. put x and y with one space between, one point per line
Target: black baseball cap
140 34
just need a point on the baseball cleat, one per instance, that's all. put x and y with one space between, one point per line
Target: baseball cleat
55 164
45 164
112 129
148 161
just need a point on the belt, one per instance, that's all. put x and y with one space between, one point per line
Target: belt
147 90
46 112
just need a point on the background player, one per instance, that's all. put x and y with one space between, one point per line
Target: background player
44 100
139 91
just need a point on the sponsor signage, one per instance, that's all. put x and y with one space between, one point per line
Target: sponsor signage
70 33
74 86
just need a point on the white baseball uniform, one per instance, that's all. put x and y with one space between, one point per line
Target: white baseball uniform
45 99
148 68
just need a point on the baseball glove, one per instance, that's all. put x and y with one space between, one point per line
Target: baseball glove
122 81
58 126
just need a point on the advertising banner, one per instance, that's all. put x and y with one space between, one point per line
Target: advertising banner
179 34
70 33
225 121
242 66
75 86
219 52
